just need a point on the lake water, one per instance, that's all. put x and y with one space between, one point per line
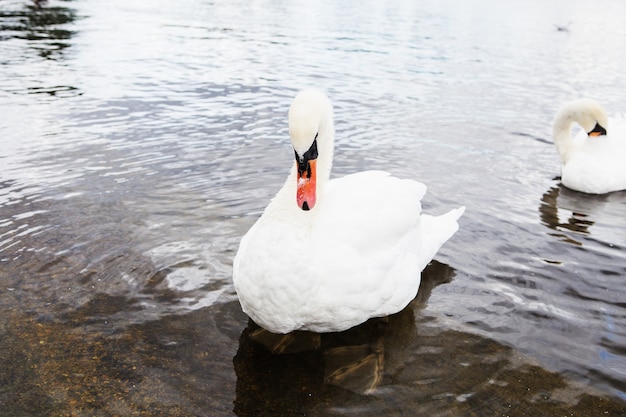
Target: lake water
141 139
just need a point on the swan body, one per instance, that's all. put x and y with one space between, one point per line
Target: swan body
327 255
594 161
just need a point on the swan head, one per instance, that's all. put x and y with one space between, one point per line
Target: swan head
310 129
588 113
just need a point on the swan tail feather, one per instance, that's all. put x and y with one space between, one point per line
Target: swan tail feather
436 230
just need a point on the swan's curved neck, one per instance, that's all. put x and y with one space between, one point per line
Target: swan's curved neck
588 114
563 138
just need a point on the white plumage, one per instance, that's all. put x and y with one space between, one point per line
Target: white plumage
594 161
328 256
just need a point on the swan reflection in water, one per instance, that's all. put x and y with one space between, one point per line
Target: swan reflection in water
283 368
564 211
576 221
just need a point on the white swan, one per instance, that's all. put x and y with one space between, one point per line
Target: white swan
594 161
327 255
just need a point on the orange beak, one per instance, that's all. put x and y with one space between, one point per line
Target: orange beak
306 191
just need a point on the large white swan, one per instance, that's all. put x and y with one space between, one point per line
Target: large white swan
327 255
594 161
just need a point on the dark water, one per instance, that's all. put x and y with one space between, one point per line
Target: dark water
140 140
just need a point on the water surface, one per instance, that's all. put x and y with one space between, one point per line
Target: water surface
142 139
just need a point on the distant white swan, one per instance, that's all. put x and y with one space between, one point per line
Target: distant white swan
327 255
594 161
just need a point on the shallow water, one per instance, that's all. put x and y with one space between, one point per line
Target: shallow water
142 139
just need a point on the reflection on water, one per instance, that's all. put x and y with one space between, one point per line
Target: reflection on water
451 373
553 218
45 27
38 21
565 210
